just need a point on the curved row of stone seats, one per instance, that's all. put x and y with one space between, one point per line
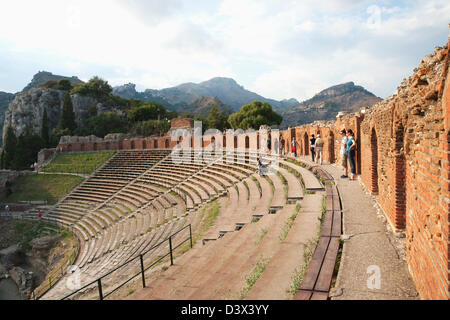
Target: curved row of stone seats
194 274
310 181
137 227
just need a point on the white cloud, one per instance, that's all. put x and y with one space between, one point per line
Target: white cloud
280 49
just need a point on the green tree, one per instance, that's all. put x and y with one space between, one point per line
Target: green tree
254 115
217 119
27 148
106 123
148 111
65 85
67 120
56 136
45 130
9 148
95 87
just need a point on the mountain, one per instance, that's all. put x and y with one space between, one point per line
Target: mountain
226 90
201 106
326 104
40 78
5 99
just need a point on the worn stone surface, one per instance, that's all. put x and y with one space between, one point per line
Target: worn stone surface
11 256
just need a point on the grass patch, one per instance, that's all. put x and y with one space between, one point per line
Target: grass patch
83 163
285 183
261 236
257 184
50 188
273 189
289 223
208 216
25 231
308 250
253 277
248 190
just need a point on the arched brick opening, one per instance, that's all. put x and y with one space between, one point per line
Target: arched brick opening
69 148
374 161
144 144
95 146
224 141
400 178
332 158
132 145
166 144
83 147
107 146
235 142
247 142
306 144
155 144
270 142
258 142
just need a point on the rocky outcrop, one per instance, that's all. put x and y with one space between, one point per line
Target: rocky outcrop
40 78
346 97
23 279
27 108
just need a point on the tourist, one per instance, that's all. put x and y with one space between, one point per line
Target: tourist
344 153
319 149
7 211
282 146
40 214
261 167
294 147
313 147
351 152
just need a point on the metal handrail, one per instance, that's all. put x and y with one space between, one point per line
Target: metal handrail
142 272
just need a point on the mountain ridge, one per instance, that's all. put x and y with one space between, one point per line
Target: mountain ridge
225 89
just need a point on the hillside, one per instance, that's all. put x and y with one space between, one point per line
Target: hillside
326 104
202 105
225 89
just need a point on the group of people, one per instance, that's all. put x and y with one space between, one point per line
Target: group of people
347 151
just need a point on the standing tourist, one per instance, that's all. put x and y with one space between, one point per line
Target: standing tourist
319 149
343 153
313 147
282 145
351 152
294 147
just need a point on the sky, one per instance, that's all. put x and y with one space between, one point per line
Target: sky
279 49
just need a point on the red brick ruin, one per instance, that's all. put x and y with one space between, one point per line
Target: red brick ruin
403 157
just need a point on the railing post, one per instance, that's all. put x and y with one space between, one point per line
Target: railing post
100 291
190 234
171 256
143 271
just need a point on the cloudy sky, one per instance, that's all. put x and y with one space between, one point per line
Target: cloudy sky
277 48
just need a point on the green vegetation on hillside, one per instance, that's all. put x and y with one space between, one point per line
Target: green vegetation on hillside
84 163
50 188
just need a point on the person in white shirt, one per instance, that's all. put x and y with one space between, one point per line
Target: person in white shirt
319 149
344 153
